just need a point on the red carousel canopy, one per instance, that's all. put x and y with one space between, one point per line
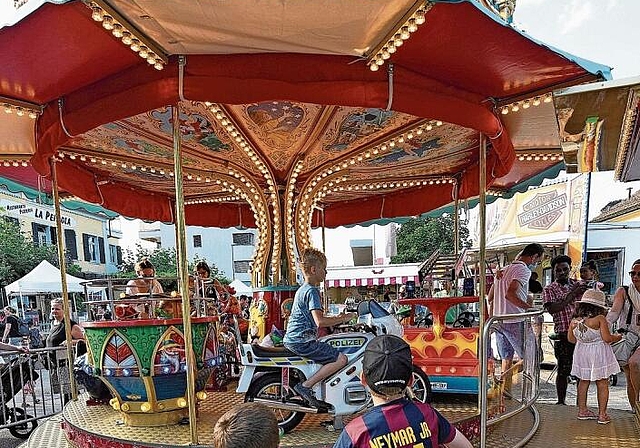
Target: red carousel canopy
278 107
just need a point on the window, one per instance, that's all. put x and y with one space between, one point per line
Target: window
197 240
243 239
93 248
113 254
242 266
43 234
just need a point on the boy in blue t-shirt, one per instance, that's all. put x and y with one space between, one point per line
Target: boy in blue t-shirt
302 329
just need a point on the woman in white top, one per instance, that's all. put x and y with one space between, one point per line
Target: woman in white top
619 313
145 283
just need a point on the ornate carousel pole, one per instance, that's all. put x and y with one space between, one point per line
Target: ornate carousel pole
482 350
183 273
63 277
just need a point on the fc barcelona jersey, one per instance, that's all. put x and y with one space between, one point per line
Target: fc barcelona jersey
398 424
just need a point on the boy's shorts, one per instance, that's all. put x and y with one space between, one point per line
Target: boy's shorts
320 352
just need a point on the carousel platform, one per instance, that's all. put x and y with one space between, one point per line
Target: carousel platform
82 426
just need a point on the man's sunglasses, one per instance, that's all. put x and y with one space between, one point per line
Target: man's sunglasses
634 273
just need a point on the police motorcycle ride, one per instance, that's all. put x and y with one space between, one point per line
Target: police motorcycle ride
270 374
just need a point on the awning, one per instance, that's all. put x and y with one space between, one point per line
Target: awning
354 276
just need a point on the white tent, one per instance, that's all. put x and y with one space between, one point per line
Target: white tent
241 288
42 279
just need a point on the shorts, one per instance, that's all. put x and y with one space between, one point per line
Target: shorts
563 349
317 351
509 339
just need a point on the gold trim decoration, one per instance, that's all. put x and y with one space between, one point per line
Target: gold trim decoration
20 108
526 104
630 117
127 33
395 39
243 142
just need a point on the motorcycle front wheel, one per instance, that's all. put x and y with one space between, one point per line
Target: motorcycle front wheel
269 387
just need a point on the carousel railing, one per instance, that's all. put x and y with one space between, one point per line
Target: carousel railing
517 388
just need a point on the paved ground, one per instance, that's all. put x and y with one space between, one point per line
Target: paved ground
617 400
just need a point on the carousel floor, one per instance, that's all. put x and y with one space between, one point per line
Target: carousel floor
98 426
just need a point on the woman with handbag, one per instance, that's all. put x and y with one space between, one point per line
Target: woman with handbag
625 312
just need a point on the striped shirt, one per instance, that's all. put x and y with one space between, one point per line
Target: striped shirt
397 424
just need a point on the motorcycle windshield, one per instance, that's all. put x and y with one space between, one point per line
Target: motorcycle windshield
371 307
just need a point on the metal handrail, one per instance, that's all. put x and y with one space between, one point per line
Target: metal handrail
533 377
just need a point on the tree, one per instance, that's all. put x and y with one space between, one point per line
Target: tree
418 238
19 254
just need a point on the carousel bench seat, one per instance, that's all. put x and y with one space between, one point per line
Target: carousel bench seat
271 352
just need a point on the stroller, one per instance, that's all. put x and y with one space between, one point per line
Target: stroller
14 375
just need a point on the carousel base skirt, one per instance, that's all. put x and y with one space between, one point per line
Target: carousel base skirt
101 426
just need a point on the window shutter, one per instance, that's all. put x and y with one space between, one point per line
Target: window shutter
70 243
101 246
34 231
85 246
54 235
119 255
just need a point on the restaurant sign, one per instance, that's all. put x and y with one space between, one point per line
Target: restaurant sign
543 210
35 211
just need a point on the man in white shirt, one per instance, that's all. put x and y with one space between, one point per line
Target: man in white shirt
509 295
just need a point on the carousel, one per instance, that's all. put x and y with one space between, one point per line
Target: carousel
277 116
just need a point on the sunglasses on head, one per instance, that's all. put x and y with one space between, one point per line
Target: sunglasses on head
634 273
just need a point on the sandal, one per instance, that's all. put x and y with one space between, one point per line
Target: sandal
588 415
604 419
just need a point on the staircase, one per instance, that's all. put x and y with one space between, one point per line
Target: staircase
438 266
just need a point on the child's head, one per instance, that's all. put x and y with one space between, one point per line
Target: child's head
589 271
593 303
386 367
313 263
247 425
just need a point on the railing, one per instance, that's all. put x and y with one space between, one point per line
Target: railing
529 352
33 386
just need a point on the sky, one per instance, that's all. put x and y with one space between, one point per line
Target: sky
603 31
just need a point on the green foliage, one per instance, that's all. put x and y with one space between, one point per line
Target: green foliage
165 262
418 238
19 254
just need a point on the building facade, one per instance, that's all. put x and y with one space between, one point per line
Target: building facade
231 250
91 234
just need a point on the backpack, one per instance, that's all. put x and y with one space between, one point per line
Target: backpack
35 338
23 328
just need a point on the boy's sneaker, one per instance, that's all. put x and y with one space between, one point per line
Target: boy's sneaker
307 394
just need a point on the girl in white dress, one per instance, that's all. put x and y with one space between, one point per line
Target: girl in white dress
593 358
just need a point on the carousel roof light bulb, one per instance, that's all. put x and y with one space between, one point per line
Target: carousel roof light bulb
420 17
97 13
385 54
438 123
419 132
391 47
536 101
397 40
548 98
504 110
126 38
107 23
135 45
526 104
515 107
412 26
404 33
117 30
159 65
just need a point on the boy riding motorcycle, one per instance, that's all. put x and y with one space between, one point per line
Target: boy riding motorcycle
306 317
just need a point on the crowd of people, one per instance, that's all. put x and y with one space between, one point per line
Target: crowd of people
583 326
582 346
